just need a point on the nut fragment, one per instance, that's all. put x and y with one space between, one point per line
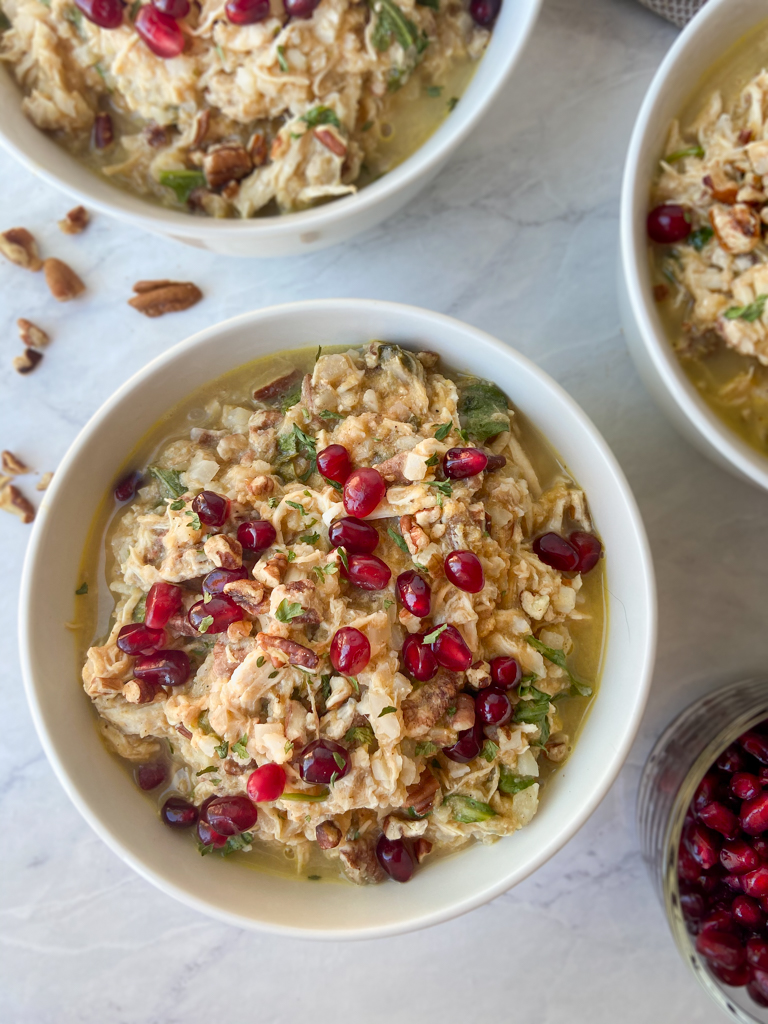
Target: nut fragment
19 246
422 848
12 500
62 280
226 162
328 835
257 149
737 228
75 221
103 131
32 335
225 552
156 136
141 691
11 464
44 482
155 298
27 362
331 140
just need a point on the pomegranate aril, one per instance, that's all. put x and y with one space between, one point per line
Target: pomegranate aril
720 818
738 857
668 223
221 610
230 815
468 745
256 535
746 911
367 572
718 921
763 776
266 783
745 786
464 571
721 948
704 845
736 978
460 463
300 8
104 13
757 953
693 907
484 12
103 133
150 776
128 486
755 883
756 993
334 463
420 663
706 792
396 858
493 707
506 672
137 637
754 815
247 12
451 651
217 579
173 8
160 32
323 760
415 593
731 760
363 491
688 868
208 836
756 745
588 548
733 883
354 535
163 668
212 508
760 981
178 813
760 846
557 552
350 651
163 601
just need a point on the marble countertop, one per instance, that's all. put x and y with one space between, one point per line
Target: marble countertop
517 236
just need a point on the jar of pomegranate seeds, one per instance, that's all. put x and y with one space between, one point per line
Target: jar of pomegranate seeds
702 815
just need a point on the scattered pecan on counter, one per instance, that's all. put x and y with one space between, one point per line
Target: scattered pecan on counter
62 280
155 298
76 221
20 247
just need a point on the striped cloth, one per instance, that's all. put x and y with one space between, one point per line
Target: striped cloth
679 12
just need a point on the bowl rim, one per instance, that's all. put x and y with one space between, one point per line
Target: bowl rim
726 442
428 157
618 750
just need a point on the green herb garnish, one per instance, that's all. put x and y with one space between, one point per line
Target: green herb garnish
320 115
489 751
483 410
426 748
206 771
431 637
223 749
398 539
195 524
452 103
82 589
558 658
298 506
326 414
362 734
281 59
389 710
511 784
182 182
177 506
393 26
205 624
443 431
301 797
535 712
681 154
169 480
699 238
310 538
467 810
240 747
751 312
140 609
443 486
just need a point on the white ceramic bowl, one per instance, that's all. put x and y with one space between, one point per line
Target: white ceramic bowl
103 792
719 25
293 233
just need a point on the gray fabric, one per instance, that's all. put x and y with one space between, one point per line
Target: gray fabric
679 12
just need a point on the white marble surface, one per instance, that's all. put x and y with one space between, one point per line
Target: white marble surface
517 236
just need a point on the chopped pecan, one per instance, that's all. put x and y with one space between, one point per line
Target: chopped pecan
209 202
277 388
289 651
225 552
103 131
238 630
402 828
233 767
179 625
156 136
32 335
155 298
263 419
248 595
737 228
556 748
258 149
723 188
44 482
421 795
202 122
328 835
273 570
12 500
463 717
422 848
27 362
360 862
424 707
331 139
479 675
205 437
230 190
184 731
391 470
226 162
12 465
76 221
141 691
20 247
260 486
62 280
413 535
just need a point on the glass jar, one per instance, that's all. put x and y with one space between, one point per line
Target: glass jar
675 767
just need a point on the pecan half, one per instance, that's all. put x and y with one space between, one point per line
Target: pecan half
20 247
12 500
225 552
226 162
360 862
141 691
421 795
248 595
156 298
27 362
62 280
32 335
331 140
289 650
11 464
76 221
391 470
424 707
328 835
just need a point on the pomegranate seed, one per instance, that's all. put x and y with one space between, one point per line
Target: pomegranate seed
588 548
731 760
217 579
746 911
459 463
212 508
718 817
163 601
745 786
757 953
356 536
367 572
468 745
396 858
230 815
505 672
209 836
704 845
754 815
128 486
178 813
300 8
756 882
415 593
738 857
266 783
718 921
493 707
104 13
706 792
247 12
668 223
363 490
721 948
709 881
420 662
688 868
451 651
150 776
322 760
160 32
737 978
103 134
464 570
257 534
334 463
163 668
173 8
350 651
484 12
733 882
755 991
756 745
760 846
137 637
763 776
693 908
221 609
557 552
760 981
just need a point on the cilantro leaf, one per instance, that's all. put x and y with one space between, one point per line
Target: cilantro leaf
510 783
240 748
443 431
558 658
389 710
431 637
310 538
535 712
751 312
177 506
321 115
223 749
467 810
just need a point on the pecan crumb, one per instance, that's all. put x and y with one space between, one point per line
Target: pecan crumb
62 280
155 298
331 140
12 500
11 464
226 162
76 221
32 335
328 835
44 482
20 247
27 362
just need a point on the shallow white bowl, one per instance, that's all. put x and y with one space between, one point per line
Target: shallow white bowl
103 792
293 233
719 25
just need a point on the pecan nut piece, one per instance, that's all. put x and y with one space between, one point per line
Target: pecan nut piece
32 335
277 388
421 795
328 835
103 131
258 149
12 500
331 139
248 595
156 298
226 162
11 464
62 280
225 552
723 188
76 221
141 691
737 228
27 362
360 862
20 247
422 848
289 650
424 707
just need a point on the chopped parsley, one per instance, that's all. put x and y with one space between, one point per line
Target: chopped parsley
205 624
393 26
388 602
483 409
699 238
294 443
240 747
273 502
291 556
751 312
310 538
223 749
82 589
260 661
389 710
433 90
298 506
452 103
510 783
343 558
178 505
489 751
169 480
287 610
558 658
443 486
426 748
433 460
334 484
272 675
443 431
397 537
535 712
206 771
321 571
195 524
320 115
327 414
431 637
362 734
